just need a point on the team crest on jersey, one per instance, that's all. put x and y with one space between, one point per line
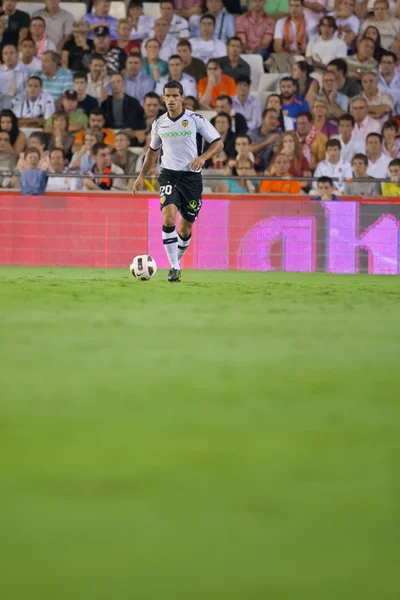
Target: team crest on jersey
185 123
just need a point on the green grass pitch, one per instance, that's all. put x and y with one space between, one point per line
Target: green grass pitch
232 437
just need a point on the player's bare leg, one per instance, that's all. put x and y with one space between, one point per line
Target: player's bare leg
184 236
170 240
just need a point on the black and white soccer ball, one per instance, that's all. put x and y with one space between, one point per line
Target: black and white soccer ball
143 267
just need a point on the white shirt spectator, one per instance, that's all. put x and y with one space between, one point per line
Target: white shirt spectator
369 125
42 107
393 89
380 168
206 49
352 22
167 49
47 44
58 25
251 110
326 50
188 83
342 170
20 74
94 87
179 27
312 18
279 33
378 100
61 184
145 26
356 145
34 65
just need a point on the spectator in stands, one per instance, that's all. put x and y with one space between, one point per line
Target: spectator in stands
77 120
326 47
225 26
313 142
347 87
122 111
13 74
291 104
285 123
290 34
137 84
214 85
33 107
86 103
28 58
380 104
83 160
206 47
100 18
232 64
333 166
393 188
395 48
61 137
347 22
364 124
141 25
359 166
362 61
37 30
175 72
390 143
124 42
151 111
123 157
245 104
114 57
387 25
152 64
242 149
59 22
8 160
55 79
243 168
17 22
96 121
191 103
168 42
239 123
32 180
188 8
306 87
325 190
57 166
177 26
373 34
299 166
265 138
313 13
389 80
338 103
284 183
40 141
98 80
350 142
75 46
378 162
256 29
192 66
100 179
9 123
223 124
319 112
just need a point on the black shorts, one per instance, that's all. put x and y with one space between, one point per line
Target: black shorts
182 188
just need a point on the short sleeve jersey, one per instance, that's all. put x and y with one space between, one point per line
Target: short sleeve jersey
181 139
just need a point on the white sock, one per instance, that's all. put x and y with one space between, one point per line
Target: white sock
170 240
183 245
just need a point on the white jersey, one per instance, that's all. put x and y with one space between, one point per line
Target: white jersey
181 139
42 107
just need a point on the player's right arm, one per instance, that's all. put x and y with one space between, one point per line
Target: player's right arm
150 159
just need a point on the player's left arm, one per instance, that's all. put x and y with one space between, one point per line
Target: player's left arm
216 146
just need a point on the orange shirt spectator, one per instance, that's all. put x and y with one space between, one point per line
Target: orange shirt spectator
215 84
108 139
281 187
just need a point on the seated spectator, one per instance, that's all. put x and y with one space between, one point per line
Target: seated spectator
239 123
348 24
362 61
37 31
191 103
55 79
387 25
214 85
313 13
326 47
100 18
393 188
34 106
99 176
378 163
285 123
9 123
299 166
395 48
27 57
141 25
8 160
77 119
121 110
319 112
306 87
38 140
124 42
347 87
244 168
373 34
242 149
31 180
265 138
61 137
175 72
389 80
191 66
114 57
98 79
223 125
281 168
338 103
313 142
137 84
153 65
86 103
391 144
205 47
364 124
225 26
292 105
380 104
13 75
57 166
256 29
59 22
333 166
359 165
325 190
290 34
15 22
350 142
151 111
177 26
232 64
83 160
245 104
96 121
75 46
123 157
188 8
168 43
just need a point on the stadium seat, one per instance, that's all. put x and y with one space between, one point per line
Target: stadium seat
269 81
257 68
151 9
118 10
30 7
77 9
262 96
207 114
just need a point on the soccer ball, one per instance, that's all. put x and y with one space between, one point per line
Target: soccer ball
143 267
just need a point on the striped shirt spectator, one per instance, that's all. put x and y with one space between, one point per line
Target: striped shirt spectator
255 28
55 79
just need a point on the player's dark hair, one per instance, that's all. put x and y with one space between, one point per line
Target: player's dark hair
228 117
224 97
360 156
97 147
325 179
378 135
79 75
333 144
340 64
347 117
37 79
208 16
394 163
307 115
243 79
173 85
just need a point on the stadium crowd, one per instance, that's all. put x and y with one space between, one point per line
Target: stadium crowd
294 88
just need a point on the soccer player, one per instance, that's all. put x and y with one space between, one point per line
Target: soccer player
181 134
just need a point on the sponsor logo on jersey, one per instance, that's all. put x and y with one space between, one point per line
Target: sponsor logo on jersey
175 134
185 123
193 204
